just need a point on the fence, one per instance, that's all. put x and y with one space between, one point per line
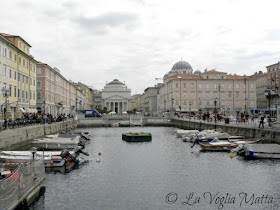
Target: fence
22 179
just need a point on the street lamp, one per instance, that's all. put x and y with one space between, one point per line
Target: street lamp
164 105
44 102
33 150
215 111
172 100
76 105
268 93
190 109
6 94
245 94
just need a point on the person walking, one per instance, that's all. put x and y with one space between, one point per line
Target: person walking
261 121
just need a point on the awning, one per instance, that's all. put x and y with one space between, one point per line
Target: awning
28 110
22 110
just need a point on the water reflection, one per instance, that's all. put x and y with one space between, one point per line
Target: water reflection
141 175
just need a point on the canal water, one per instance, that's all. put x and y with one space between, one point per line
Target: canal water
163 174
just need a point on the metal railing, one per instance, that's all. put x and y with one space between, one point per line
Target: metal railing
21 179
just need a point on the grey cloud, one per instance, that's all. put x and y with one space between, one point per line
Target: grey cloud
273 34
102 23
256 55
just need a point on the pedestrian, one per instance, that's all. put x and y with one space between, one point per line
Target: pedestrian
261 121
237 118
252 118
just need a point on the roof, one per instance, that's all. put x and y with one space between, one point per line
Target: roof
185 76
9 35
115 82
238 77
213 72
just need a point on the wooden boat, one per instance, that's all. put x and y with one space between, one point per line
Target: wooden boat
137 137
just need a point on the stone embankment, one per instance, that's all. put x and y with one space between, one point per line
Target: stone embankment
18 138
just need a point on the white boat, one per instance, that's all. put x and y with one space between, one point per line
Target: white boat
182 132
220 145
192 136
57 143
261 151
51 158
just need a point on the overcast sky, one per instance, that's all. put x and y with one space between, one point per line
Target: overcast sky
136 41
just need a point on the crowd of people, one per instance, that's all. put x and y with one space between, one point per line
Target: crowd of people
37 118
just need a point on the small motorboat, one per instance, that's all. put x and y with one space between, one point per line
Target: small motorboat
181 132
259 151
193 135
51 158
58 142
207 138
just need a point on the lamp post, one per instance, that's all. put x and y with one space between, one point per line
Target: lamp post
245 97
44 102
76 105
164 105
33 150
190 109
268 93
6 93
215 111
172 101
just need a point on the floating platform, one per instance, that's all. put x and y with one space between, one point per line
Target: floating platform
137 137
124 125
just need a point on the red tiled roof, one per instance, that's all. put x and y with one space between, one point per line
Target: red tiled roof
8 35
185 76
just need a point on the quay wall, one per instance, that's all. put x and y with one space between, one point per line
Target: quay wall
270 135
17 138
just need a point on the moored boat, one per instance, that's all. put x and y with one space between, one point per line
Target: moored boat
260 151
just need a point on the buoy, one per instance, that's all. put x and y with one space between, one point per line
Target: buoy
99 153
97 160
231 155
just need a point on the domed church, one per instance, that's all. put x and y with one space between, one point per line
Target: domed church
116 97
181 67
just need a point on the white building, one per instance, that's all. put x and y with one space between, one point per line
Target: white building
116 97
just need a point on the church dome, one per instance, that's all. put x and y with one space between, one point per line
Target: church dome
115 84
197 72
181 67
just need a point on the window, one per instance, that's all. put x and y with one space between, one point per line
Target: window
23 62
192 95
10 74
177 95
5 71
237 94
207 77
5 52
15 75
230 86
192 86
215 86
10 88
33 95
19 60
20 45
39 71
176 102
22 93
184 94
15 91
222 86
27 64
176 85
185 103
38 95
222 77
252 85
18 93
223 95
15 58
11 54
185 85
207 86
207 95
199 86
26 94
237 85
24 48
230 94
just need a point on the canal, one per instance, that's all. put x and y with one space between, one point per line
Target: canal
163 174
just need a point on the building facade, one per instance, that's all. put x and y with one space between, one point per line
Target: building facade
261 86
116 97
55 94
273 83
18 69
186 91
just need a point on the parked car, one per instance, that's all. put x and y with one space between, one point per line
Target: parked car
112 113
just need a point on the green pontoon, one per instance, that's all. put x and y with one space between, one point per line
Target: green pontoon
137 137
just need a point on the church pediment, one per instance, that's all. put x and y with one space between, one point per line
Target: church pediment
116 97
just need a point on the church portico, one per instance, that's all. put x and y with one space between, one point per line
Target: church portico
116 97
